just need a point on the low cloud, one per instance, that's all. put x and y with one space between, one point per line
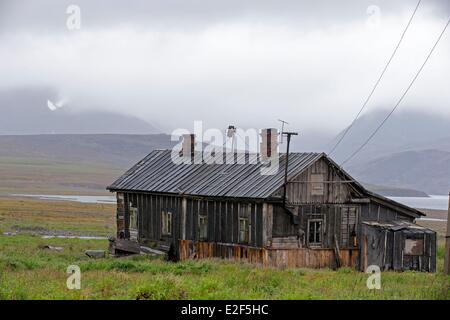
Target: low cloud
242 68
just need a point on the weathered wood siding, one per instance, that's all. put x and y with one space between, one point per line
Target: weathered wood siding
335 190
336 222
377 212
223 220
285 258
386 248
150 208
120 215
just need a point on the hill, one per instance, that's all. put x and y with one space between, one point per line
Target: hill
86 164
404 131
70 164
427 170
26 111
411 151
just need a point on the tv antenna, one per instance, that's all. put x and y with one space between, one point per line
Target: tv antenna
282 128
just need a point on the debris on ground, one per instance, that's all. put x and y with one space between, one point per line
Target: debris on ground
151 251
95 253
50 247
125 247
9 233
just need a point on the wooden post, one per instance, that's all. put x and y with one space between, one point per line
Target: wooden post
337 252
447 242
364 254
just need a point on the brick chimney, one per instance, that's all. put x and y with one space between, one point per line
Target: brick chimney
269 143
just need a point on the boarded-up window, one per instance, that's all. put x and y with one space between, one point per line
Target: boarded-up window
244 230
317 184
166 223
315 232
203 227
413 247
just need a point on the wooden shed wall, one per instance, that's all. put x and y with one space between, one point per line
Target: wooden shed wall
386 249
223 220
336 222
335 189
150 208
287 258
374 211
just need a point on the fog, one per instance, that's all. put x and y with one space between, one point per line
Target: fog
224 62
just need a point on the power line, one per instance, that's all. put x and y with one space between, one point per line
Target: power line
401 98
377 82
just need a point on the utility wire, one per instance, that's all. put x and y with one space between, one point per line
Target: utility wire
377 82
401 98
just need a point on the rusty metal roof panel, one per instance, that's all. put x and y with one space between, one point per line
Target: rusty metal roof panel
158 173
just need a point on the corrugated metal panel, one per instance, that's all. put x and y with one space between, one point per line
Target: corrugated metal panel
158 173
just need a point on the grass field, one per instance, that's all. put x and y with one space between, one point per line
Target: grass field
43 176
29 271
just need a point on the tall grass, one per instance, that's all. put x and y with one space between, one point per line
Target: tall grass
27 271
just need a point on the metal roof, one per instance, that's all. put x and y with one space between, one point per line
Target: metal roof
398 225
159 174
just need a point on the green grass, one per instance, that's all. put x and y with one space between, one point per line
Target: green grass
27 271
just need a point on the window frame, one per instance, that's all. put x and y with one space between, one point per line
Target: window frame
166 223
246 232
414 246
132 212
202 236
315 243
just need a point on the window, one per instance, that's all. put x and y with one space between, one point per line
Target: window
202 227
315 232
413 247
317 184
133 218
133 214
166 223
244 230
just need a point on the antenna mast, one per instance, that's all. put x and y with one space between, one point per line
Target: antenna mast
282 129
288 135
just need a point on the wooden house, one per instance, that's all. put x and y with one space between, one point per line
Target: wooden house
327 219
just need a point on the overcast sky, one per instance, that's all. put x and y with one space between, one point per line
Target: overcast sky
246 63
